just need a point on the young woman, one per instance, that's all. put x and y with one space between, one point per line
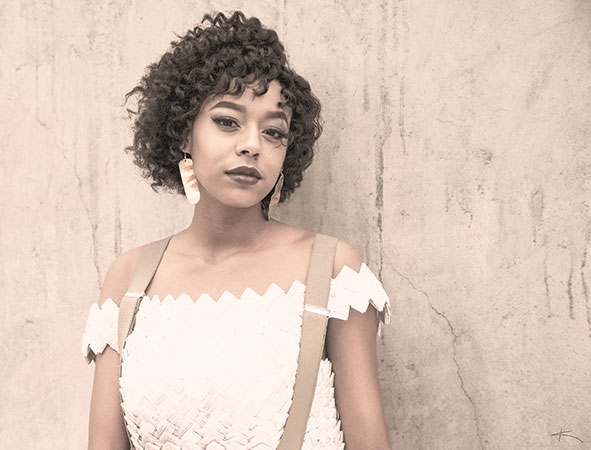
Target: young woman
211 360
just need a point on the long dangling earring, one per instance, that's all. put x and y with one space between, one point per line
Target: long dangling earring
275 197
189 179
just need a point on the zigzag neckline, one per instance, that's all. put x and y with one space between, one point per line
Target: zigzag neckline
227 295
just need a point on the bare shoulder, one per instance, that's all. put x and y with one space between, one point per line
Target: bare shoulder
119 275
346 255
289 235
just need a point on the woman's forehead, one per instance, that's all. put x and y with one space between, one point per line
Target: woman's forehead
252 93
252 89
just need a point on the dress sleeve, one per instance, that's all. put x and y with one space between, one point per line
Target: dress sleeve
101 330
357 290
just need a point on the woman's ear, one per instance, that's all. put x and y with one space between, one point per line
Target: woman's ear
186 136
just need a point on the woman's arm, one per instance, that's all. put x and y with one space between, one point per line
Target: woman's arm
351 347
106 426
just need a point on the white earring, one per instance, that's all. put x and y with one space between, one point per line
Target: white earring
189 179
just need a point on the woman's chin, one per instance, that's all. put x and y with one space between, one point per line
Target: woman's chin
240 203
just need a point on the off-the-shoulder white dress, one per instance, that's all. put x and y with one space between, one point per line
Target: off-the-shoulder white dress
206 374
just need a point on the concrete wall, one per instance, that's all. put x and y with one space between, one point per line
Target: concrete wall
455 157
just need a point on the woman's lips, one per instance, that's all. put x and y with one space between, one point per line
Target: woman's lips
243 179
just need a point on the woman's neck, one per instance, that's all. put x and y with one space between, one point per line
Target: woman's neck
223 231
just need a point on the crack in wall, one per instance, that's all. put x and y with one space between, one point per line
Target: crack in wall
94 226
455 337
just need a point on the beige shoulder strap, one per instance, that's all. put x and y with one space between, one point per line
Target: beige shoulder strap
314 321
144 272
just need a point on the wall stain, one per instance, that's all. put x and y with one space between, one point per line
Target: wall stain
536 207
285 17
538 85
487 156
385 128
546 284
402 52
569 288
117 213
584 282
365 97
465 205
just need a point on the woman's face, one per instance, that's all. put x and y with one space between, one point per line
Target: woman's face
230 132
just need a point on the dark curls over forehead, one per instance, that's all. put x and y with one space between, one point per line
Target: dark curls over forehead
221 56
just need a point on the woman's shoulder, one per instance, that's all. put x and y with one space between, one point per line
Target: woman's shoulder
345 253
102 323
119 275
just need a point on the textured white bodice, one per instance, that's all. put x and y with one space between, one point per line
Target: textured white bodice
217 375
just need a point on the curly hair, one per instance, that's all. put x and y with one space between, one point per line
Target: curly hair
225 57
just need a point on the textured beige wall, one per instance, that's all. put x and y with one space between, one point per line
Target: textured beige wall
455 157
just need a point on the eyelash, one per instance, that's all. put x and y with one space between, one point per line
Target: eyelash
222 122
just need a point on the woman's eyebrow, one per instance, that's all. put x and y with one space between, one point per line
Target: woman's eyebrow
229 105
242 109
276 115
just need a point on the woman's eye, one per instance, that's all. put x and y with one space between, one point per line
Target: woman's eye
225 122
275 134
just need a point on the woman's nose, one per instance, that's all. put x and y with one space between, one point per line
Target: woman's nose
251 142
248 151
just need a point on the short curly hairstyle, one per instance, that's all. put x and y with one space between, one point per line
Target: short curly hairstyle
225 57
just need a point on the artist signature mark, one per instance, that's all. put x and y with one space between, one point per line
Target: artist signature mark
566 433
